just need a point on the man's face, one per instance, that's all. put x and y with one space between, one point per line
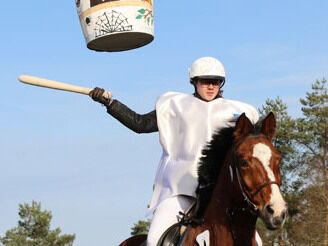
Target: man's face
208 88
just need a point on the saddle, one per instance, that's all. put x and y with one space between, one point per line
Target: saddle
173 236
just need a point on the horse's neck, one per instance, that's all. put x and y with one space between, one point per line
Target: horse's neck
223 196
227 194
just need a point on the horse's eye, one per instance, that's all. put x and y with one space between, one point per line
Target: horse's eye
244 164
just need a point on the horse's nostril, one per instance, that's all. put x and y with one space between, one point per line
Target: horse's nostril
277 221
269 209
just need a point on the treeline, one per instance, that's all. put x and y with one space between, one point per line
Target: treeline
33 229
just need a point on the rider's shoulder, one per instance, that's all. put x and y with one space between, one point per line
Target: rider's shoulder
172 95
242 107
235 102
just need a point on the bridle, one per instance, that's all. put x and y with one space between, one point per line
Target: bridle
249 199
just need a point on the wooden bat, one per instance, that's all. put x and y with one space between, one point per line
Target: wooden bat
32 80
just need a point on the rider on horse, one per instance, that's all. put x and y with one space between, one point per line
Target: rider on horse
186 124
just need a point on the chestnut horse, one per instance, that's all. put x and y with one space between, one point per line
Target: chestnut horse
239 181
246 185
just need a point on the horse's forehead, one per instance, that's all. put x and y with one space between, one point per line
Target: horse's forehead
257 147
263 153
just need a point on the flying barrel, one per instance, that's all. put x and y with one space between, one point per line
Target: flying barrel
116 25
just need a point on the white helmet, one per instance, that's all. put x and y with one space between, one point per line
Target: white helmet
207 68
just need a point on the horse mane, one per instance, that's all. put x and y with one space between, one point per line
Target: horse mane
211 162
213 156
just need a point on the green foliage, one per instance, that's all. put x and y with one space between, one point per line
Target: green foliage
34 229
312 128
311 169
141 227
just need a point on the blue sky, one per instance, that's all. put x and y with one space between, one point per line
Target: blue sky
96 176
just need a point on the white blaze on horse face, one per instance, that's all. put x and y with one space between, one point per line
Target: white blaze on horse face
263 153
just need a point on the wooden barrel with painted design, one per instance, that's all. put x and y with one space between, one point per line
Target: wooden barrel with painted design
116 25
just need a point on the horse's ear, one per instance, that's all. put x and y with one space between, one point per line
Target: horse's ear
269 126
243 127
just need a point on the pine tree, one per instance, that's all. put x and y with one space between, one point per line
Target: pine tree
283 140
34 229
311 166
141 227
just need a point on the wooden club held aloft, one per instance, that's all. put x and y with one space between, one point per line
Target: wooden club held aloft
32 80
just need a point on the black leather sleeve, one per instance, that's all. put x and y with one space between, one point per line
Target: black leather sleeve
139 123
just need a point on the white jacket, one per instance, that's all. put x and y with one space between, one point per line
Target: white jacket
186 125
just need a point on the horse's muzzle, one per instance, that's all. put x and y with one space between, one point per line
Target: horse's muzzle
272 219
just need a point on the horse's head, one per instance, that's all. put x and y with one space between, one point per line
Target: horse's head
258 170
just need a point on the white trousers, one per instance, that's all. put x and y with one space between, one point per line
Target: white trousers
167 214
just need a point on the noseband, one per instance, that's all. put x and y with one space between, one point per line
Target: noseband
249 199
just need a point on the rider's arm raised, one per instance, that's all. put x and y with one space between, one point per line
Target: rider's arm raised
139 123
